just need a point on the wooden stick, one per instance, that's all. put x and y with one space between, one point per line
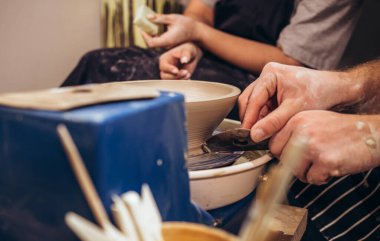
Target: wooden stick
272 192
83 177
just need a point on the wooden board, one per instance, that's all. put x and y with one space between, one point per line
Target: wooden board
291 223
59 99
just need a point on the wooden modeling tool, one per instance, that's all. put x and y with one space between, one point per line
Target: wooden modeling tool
272 192
86 185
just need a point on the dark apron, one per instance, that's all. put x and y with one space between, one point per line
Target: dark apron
260 20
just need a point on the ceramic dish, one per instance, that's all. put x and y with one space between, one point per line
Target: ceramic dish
219 187
207 104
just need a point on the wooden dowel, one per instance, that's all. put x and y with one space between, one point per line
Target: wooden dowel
271 193
83 177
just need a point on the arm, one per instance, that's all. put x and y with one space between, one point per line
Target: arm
199 11
244 53
180 62
282 91
366 77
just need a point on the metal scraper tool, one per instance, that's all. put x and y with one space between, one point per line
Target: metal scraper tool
233 140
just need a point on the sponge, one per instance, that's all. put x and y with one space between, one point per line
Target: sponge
141 20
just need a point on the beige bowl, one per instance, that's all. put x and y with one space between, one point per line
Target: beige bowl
207 104
185 231
181 231
219 187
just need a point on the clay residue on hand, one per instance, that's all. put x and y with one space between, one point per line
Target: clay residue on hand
370 142
360 125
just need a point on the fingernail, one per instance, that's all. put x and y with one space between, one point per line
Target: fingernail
257 134
150 16
188 76
175 71
184 60
184 72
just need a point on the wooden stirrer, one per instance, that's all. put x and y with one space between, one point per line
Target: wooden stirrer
270 193
83 178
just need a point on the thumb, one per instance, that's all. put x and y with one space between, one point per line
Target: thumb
274 121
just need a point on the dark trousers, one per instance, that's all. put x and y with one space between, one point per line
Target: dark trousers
133 63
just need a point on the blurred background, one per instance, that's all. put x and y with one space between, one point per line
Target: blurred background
42 40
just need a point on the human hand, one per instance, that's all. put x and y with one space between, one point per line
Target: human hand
337 144
281 91
180 62
181 29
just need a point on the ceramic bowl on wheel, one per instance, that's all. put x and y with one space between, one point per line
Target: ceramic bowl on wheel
207 104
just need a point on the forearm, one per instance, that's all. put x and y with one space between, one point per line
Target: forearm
200 12
361 85
247 54
369 75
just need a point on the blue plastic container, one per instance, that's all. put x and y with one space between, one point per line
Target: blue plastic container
123 145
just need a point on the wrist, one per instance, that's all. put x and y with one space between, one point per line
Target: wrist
372 140
199 31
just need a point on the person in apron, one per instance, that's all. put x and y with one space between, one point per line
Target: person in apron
340 167
124 64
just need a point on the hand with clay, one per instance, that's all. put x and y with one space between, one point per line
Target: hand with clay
180 62
181 29
282 91
337 144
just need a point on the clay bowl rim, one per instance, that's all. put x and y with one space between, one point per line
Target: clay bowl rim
234 91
